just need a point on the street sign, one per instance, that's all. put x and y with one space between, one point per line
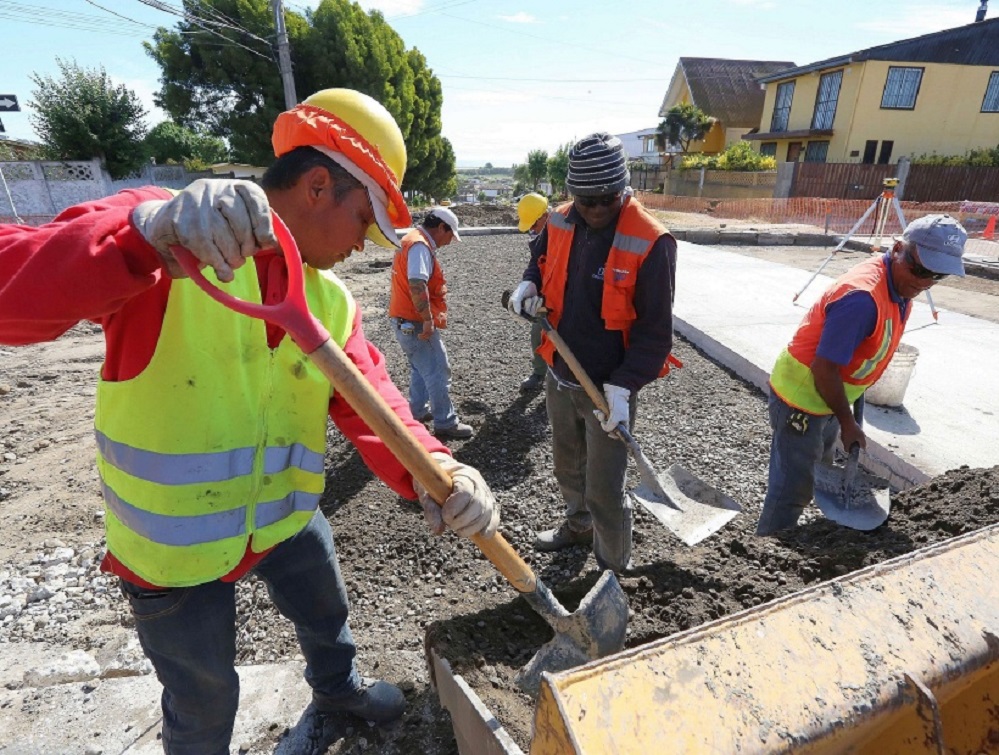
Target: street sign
8 103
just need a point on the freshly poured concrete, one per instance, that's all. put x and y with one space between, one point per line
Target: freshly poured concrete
739 310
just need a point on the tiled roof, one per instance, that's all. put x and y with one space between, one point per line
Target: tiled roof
975 44
728 89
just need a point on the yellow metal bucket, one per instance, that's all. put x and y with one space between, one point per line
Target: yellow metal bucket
902 657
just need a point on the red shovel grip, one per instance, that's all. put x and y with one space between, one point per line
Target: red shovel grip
292 314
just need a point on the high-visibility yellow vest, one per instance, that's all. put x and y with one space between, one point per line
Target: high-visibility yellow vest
792 377
219 438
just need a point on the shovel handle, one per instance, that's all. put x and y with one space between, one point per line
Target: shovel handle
851 465
294 316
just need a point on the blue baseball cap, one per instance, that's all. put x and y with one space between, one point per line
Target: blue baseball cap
939 241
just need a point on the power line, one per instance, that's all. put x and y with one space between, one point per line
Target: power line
200 23
43 16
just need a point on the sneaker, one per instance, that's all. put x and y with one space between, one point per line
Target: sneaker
563 537
374 700
459 431
532 382
426 417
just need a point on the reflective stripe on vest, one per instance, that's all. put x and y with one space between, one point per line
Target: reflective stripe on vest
792 377
635 234
228 440
400 300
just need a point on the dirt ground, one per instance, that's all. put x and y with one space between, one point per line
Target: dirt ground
401 580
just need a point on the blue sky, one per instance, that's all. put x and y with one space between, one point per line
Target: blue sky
516 75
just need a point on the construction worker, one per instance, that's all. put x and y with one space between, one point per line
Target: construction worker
843 345
532 214
418 308
211 426
605 269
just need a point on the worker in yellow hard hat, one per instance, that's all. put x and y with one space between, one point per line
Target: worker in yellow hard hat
532 215
211 427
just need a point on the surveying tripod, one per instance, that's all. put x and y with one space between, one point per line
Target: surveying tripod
881 207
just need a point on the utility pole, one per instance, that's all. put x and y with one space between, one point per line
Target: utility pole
982 10
284 57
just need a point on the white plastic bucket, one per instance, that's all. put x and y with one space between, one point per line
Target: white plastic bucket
889 390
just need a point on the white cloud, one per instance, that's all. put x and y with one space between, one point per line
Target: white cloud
920 19
519 18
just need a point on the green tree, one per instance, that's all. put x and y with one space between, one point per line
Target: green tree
168 142
558 168
537 167
236 93
81 114
521 179
682 125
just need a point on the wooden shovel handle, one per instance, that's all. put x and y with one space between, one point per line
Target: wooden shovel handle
595 394
371 407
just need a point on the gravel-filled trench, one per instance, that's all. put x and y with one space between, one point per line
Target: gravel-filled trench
407 586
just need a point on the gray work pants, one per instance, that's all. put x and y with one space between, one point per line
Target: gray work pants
590 468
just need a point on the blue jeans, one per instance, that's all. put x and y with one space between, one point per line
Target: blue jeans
189 635
429 374
590 467
799 440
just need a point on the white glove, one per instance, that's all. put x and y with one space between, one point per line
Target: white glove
470 509
617 401
524 299
222 222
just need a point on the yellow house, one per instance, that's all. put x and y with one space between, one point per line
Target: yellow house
938 93
727 90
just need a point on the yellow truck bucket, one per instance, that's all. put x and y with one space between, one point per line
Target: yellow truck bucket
902 657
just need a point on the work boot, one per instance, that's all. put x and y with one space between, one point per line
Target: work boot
374 700
458 432
563 537
532 382
426 417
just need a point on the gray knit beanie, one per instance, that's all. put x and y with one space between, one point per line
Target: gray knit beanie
597 165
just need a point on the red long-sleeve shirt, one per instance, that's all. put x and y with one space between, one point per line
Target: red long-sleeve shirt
90 263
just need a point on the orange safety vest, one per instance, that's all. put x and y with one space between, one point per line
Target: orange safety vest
401 302
792 378
636 233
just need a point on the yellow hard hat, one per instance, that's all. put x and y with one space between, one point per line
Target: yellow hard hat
530 207
357 132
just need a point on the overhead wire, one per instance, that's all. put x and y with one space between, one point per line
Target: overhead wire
206 25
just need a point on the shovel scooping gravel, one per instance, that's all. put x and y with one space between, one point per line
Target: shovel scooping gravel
596 629
688 507
849 496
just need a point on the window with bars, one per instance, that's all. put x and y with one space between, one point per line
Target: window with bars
782 106
816 152
991 102
826 99
901 88
768 149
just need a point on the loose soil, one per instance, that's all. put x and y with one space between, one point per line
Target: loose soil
401 580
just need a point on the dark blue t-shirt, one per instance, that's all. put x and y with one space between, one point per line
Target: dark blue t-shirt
851 319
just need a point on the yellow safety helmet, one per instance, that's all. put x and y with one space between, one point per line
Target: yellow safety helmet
358 133
530 207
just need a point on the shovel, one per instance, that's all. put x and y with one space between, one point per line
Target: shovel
595 629
688 507
850 496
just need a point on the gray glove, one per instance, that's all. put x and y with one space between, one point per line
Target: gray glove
524 299
222 222
470 509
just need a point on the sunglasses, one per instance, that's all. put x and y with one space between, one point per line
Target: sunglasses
921 272
605 200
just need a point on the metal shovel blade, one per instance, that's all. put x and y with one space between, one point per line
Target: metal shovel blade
594 630
688 507
849 496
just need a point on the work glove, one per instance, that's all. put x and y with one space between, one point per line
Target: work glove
470 509
524 299
220 222
617 402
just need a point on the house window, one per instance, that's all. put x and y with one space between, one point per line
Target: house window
782 106
816 152
885 155
826 99
870 151
901 88
768 149
991 102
